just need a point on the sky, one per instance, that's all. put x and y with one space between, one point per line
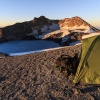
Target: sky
13 11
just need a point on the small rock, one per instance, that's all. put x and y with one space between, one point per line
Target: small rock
76 91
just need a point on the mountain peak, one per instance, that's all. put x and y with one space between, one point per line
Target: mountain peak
71 22
41 17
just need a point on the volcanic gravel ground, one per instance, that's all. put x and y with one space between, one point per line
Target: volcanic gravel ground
34 77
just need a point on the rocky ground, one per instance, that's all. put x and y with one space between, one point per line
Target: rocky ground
34 77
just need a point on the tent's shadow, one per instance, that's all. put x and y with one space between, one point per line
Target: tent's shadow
89 89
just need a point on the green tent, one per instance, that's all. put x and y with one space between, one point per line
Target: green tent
88 70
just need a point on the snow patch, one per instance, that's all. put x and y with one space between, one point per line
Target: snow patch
81 28
54 26
35 32
44 28
75 43
64 39
65 30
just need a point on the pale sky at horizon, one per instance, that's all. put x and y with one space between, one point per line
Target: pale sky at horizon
13 11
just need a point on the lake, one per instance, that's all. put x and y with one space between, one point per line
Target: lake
25 46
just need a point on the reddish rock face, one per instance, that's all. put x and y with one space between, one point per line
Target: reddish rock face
75 21
70 22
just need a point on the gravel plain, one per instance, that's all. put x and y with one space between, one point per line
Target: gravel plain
34 77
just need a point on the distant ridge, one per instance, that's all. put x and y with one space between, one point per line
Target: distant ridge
42 28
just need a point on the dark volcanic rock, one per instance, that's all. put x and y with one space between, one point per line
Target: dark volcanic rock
21 30
16 31
3 55
0 33
72 37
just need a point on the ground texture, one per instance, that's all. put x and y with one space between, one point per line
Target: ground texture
34 77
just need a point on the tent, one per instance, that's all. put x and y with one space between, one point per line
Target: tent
88 70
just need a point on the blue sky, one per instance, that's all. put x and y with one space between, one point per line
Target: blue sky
13 11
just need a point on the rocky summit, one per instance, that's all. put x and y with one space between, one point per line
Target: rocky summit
25 30
44 28
70 25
